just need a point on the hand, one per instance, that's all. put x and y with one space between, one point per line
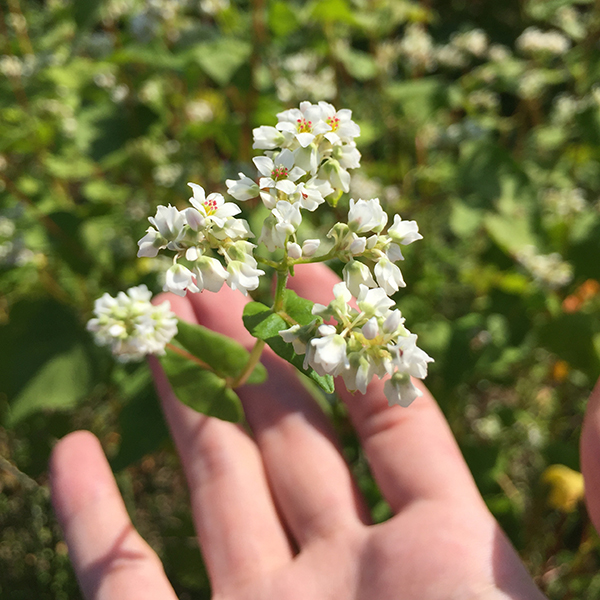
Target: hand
278 515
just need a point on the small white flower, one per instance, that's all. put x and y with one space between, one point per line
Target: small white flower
179 280
393 251
329 352
388 275
270 236
210 274
308 159
235 229
279 173
292 336
304 123
169 222
269 138
339 306
355 274
243 276
366 215
151 243
213 208
343 128
359 373
312 193
347 155
408 357
333 171
374 302
243 188
400 390
288 217
404 232
393 324
195 219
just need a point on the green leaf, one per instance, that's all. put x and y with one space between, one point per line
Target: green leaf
419 99
223 354
263 323
59 384
282 19
200 389
511 234
330 11
360 65
222 58
48 361
464 219
118 127
85 12
141 424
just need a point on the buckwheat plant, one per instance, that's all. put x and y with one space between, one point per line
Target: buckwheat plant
305 167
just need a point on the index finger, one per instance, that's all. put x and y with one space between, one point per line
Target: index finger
412 452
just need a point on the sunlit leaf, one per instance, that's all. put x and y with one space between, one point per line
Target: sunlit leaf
201 389
265 324
223 354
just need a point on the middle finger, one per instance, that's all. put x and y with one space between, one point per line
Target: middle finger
308 476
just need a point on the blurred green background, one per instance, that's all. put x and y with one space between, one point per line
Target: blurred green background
481 120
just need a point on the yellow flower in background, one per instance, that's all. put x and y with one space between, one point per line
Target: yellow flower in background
566 487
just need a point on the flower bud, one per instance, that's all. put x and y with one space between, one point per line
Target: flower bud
294 251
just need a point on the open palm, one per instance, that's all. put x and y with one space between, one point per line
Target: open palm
278 514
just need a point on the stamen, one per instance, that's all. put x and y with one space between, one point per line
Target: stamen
279 173
334 122
304 126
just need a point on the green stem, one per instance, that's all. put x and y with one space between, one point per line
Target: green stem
282 277
304 261
253 359
269 263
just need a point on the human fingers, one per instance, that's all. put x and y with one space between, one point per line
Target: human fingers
307 473
412 452
590 456
111 560
238 528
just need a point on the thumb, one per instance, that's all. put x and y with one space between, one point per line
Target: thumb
590 456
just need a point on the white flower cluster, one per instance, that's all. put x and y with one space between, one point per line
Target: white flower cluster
547 269
417 47
362 343
564 203
193 234
308 154
474 42
534 42
131 325
362 237
302 77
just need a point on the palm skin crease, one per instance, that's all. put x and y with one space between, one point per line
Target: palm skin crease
278 515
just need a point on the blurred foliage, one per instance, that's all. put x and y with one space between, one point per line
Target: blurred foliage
480 120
